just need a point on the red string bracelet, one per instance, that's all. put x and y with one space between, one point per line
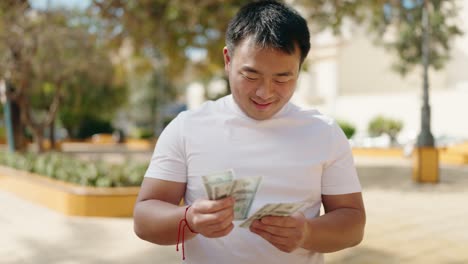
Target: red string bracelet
183 223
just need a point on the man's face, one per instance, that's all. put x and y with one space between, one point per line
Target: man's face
262 80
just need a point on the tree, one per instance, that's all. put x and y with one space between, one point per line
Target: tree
172 33
165 37
87 99
172 44
41 54
402 19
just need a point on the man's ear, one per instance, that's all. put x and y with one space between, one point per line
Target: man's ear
227 59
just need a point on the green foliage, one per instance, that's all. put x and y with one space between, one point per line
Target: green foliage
142 133
171 31
348 128
396 25
2 131
384 125
91 125
80 112
68 169
56 65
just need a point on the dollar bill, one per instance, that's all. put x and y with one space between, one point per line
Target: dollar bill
277 209
221 190
223 184
244 191
217 179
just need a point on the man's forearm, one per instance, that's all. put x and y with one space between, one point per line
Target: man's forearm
336 230
157 222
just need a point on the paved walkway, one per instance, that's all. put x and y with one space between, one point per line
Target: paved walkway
407 223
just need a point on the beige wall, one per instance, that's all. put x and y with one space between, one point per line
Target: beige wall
366 68
457 69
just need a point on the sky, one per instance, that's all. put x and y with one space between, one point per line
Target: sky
42 4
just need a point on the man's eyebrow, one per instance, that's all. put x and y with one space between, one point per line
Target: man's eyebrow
288 73
250 69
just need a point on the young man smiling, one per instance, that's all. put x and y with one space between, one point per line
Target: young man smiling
302 155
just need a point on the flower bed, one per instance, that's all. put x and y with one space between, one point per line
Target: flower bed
70 186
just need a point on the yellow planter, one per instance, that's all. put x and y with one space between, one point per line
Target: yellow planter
426 165
67 198
456 154
140 144
378 152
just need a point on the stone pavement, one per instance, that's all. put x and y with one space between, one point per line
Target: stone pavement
406 223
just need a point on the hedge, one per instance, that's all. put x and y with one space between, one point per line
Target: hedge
66 168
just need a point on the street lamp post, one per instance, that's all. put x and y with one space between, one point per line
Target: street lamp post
7 111
425 138
426 161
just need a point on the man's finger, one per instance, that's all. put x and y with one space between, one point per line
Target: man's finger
280 221
275 230
208 206
223 232
269 237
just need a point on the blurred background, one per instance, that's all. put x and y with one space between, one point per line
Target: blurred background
87 86
73 69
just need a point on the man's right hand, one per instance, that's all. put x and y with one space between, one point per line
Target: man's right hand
212 218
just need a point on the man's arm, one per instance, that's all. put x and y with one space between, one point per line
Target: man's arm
157 213
341 226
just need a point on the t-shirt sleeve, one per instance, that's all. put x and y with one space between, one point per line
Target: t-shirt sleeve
168 161
339 174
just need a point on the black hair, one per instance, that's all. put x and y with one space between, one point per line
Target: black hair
271 24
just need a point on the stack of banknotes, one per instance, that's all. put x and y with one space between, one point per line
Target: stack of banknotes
223 184
274 209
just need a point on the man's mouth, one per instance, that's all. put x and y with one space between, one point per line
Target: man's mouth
261 105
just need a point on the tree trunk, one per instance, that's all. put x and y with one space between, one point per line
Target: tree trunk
52 135
37 128
20 139
38 136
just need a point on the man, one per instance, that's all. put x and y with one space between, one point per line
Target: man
302 155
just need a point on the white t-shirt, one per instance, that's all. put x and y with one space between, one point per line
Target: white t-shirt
301 155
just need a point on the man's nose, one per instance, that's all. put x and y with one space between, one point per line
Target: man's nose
265 90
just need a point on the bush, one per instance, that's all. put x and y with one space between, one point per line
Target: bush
384 125
68 169
91 126
142 133
348 128
2 132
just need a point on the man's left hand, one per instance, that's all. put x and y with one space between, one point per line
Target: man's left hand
286 233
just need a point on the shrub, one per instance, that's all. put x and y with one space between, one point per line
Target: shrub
68 169
2 132
348 128
142 133
384 125
91 126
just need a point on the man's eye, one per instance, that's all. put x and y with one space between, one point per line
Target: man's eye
280 81
250 78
